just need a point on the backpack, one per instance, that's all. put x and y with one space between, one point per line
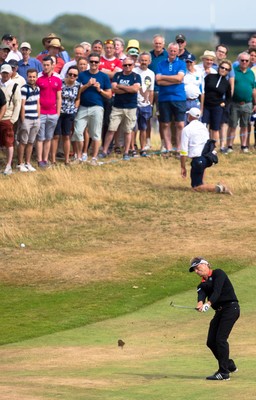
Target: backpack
210 153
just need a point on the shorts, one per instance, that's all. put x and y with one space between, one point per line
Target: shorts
126 116
64 125
170 109
91 117
143 115
198 165
48 123
6 133
213 117
27 130
240 113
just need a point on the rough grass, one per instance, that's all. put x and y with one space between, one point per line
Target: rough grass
105 241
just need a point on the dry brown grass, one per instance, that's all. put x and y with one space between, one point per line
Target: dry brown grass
83 224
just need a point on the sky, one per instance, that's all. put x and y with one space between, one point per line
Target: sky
130 14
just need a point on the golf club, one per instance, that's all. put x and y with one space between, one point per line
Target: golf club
178 306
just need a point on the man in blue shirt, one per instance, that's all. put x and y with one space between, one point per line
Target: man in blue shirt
158 53
94 86
28 62
172 96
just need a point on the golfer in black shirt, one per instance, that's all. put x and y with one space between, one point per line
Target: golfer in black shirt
216 291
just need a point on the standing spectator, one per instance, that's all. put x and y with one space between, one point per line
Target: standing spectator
243 102
50 106
27 62
119 48
11 115
206 67
54 49
87 48
46 42
183 52
97 47
109 64
4 51
215 290
95 85
15 76
172 96
193 140
125 86
217 96
70 90
194 84
78 52
158 53
29 121
221 54
13 43
145 97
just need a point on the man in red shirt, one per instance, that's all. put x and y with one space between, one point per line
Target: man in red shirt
50 104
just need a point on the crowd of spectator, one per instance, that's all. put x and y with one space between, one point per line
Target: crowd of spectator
103 98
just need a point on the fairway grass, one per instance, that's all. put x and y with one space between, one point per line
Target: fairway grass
164 356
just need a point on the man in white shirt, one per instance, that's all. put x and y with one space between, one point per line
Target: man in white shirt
193 139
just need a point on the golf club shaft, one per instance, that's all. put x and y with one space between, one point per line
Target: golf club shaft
186 307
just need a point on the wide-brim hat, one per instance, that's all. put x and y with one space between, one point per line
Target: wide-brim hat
208 54
56 43
50 36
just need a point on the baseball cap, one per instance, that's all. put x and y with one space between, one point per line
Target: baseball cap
194 112
190 57
4 47
180 37
195 262
7 36
133 52
25 45
6 68
13 63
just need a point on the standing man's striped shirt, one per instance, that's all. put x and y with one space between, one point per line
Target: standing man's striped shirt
31 95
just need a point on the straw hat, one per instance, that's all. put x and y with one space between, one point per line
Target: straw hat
56 43
208 54
50 36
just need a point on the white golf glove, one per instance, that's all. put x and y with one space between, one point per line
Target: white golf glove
206 307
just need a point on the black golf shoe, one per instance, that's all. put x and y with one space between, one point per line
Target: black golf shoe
232 366
218 376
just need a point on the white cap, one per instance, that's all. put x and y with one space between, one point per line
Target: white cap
26 45
6 68
194 112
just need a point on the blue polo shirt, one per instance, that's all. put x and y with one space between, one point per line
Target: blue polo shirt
91 97
32 63
174 92
154 62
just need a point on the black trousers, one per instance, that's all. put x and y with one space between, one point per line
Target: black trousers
219 330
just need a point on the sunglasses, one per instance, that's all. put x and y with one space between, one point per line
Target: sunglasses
72 75
224 68
109 41
180 41
127 65
244 60
93 62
